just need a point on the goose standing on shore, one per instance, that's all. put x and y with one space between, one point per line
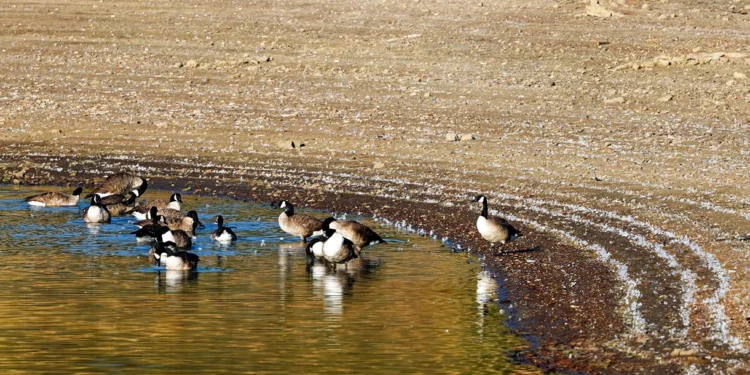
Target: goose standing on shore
55 199
96 213
495 229
300 225
120 183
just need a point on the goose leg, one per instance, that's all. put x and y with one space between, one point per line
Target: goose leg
502 249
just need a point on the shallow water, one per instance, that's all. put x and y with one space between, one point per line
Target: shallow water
84 299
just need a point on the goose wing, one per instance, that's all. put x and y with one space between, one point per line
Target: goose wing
51 198
307 222
502 223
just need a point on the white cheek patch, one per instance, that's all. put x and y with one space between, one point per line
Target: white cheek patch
283 205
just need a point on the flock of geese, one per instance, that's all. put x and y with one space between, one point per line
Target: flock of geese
171 231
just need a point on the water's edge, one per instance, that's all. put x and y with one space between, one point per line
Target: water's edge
525 323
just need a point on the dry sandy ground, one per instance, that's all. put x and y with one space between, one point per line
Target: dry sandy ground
618 144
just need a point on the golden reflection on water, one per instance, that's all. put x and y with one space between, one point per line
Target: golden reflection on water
83 299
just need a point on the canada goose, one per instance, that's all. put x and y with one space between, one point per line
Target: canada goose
180 238
121 208
96 213
55 199
120 183
188 223
495 229
149 231
297 224
170 213
361 235
175 201
314 248
222 233
338 250
174 260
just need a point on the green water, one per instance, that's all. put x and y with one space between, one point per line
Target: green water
84 299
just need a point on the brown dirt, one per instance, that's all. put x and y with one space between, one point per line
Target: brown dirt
618 145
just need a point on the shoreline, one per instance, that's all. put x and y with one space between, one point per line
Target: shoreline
535 312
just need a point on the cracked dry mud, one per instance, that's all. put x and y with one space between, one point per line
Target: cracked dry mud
619 145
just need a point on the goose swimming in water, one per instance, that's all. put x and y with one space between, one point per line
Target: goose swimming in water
120 183
180 238
174 260
96 213
222 233
55 199
175 203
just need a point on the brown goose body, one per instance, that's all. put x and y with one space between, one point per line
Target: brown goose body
187 223
121 208
115 198
55 199
120 183
141 211
299 225
181 239
495 229
170 213
361 235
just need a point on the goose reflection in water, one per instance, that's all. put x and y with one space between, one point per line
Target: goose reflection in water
286 253
486 294
174 281
94 228
334 285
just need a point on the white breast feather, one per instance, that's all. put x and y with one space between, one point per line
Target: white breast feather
94 213
483 226
333 245
224 237
317 249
